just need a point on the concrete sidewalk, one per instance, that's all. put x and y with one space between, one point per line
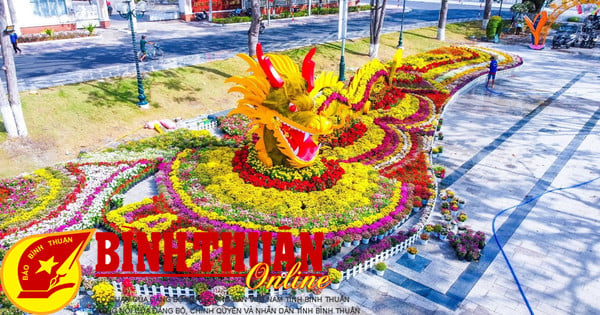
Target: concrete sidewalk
536 131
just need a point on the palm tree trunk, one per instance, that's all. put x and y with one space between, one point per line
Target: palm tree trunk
377 17
487 13
254 28
441 35
14 98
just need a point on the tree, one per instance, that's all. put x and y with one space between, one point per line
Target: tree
12 112
441 35
254 28
377 16
487 13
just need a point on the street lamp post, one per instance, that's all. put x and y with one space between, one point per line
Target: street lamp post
137 12
402 25
342 33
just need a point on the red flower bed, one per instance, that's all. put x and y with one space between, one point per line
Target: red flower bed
327 180
345 137
389 99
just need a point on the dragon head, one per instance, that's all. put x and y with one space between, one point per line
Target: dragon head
276 98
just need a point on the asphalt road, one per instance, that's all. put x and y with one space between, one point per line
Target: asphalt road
187 39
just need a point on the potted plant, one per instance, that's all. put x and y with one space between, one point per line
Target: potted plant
380 233
347 240
316 291
356 238
462 217
445 205
365 237
429 228
412 252
128 290
158 300
417 203
220 292
336 277
440 136
443 234
440 150
437 229
434 152
461 203
200 287
424 238
104 297
263 294
237 294
380 268
207 298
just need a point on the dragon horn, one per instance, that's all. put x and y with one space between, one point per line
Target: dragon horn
308 69
272 75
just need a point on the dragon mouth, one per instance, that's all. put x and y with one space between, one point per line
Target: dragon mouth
300 142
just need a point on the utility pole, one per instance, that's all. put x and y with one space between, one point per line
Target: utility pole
14 99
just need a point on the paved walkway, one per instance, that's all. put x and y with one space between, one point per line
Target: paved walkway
536 131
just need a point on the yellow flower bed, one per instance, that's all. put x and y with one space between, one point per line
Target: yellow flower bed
272 199
356 185
54 184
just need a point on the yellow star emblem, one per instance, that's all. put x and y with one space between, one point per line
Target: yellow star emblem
47 265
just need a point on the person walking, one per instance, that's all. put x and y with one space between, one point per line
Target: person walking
492 72
14 39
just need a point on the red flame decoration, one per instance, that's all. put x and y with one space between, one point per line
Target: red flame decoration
308 69
274 78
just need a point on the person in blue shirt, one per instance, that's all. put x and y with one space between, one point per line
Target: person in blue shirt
143 43
14 39
492 73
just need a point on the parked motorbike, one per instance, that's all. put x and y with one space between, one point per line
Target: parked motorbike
201 16
588 40
236 12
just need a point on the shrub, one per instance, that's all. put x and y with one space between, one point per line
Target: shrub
90 28
494 27
49 32
573 19
380 266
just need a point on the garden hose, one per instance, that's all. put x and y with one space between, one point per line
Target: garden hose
502 249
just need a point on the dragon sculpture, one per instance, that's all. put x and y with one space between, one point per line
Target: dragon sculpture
276 98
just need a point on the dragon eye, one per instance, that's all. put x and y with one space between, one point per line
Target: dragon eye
293 107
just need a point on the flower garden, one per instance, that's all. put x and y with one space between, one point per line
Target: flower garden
354 164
